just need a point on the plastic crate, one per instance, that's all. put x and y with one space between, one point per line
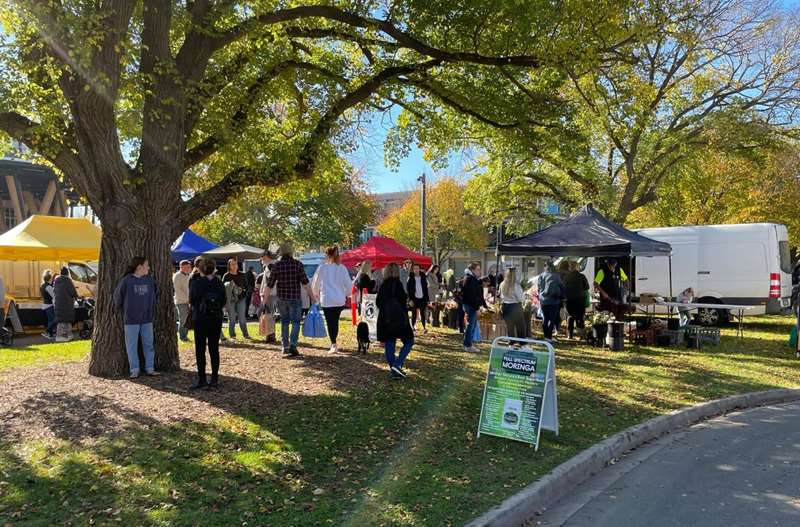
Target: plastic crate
676 336
642 337
703 334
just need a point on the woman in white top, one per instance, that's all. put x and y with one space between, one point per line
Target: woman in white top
332 285
512 296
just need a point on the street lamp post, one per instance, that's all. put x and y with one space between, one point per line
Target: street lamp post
424 220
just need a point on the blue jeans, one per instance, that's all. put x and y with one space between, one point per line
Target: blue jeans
472 321
238 310
51 321
389 347
290 311
182 316
132 334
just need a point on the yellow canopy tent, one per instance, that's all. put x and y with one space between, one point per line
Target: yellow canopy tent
51 238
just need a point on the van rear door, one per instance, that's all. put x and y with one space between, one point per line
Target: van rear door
785 264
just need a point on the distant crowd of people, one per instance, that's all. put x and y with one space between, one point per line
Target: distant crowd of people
404 293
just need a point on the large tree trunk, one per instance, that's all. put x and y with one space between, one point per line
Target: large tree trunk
145 236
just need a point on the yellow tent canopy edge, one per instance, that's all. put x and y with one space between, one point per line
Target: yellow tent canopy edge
51 238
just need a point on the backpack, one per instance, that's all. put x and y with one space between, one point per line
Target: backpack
395 315
210 305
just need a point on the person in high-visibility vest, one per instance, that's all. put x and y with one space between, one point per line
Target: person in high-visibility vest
610 283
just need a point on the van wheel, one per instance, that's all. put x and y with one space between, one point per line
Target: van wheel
711 317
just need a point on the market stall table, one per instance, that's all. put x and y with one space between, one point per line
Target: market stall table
736 311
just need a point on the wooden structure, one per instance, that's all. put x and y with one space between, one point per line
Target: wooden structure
27 189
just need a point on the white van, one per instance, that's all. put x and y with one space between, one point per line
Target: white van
743 264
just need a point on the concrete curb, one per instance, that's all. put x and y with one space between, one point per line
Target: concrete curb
525 505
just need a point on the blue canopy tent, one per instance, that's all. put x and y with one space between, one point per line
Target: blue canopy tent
190 245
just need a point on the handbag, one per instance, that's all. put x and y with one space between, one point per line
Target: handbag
314 326
793 338
587 299
266 324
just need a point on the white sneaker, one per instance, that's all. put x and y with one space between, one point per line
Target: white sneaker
471 349
334 348
62 339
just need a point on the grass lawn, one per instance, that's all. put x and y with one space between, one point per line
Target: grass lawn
40 354
402 453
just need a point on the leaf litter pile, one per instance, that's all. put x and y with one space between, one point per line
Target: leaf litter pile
63 401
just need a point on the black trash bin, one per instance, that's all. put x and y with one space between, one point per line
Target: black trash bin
616 336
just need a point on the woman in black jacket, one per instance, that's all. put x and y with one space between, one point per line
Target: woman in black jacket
207 297
364 281
393 320
64 297
417 289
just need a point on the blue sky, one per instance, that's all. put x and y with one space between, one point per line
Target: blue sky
369 159
369 156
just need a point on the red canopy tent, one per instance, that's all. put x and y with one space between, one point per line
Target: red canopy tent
381 252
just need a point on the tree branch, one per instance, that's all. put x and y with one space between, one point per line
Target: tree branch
464 109
211 144
203 203
403 38
60 153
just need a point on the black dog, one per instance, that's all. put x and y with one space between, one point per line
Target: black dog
362 334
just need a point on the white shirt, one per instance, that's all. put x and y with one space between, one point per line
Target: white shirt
180 283
515 296
332 285
263 289
418 283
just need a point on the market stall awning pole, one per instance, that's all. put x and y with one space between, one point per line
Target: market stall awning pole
497 253
671 296
630 284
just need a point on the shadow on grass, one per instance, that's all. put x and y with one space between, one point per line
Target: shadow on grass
265 460
370 453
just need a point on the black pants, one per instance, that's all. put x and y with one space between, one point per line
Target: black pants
207 332
461 315
332 315
576 307
514 318
420 304
549 324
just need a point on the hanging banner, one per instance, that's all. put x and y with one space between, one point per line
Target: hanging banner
369 314
520 397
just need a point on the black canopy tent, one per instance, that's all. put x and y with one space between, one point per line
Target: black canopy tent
587 233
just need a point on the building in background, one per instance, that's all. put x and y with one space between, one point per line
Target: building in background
386 203
27 189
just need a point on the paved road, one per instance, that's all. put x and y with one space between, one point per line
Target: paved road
739 470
